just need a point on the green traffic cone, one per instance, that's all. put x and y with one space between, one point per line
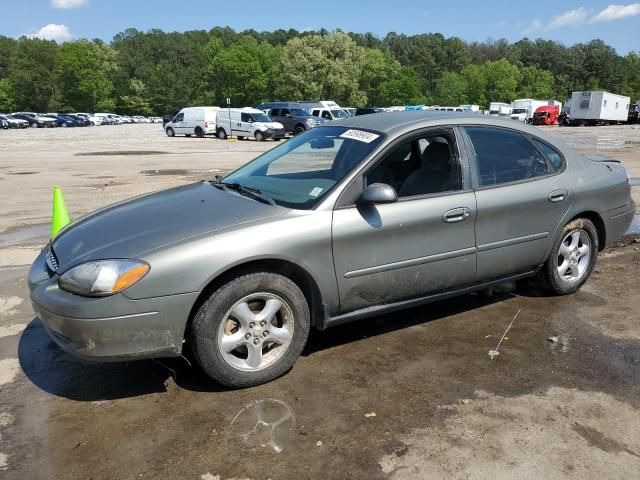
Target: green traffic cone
60 216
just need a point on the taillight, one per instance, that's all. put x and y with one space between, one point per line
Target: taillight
206 124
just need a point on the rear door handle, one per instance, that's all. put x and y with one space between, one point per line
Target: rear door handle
456 215
558 196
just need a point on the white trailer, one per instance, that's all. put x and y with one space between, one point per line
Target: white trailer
593 107
500 109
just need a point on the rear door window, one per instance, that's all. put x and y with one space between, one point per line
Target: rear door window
552 154
275 112
504 156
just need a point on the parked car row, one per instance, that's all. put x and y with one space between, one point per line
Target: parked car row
55 119
269 120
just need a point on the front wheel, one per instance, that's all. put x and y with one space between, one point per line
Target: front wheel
251 330
572 259
170 132
259 136
298 130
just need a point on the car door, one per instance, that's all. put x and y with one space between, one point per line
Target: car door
522 200
179 124
422 243
285 118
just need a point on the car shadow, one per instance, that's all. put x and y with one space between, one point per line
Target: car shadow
56 372
386 323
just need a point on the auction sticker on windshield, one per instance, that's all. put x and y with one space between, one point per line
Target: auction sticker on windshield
360 135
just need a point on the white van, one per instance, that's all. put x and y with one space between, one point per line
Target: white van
198 121
247 122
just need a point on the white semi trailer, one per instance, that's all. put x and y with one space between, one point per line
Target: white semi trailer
597 107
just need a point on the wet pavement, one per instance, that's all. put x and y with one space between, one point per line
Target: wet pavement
411 395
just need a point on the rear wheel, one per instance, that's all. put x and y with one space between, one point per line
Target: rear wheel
199 132
222 135
572 259
259 136
251 330
170 132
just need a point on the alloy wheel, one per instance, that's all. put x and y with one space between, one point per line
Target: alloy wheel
256 331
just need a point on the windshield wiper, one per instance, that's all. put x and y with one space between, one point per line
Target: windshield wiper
247 192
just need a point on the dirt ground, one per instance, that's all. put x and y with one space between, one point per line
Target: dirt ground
412 395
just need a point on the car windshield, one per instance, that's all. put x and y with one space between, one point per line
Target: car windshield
260 117
300 172
298 112
339 113
519 110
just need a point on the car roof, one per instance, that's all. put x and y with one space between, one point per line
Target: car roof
391 122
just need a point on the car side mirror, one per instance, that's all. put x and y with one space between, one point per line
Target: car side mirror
378 193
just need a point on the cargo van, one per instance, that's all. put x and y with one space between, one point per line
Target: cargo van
198 121
247 123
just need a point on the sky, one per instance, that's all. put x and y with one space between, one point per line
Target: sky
568 21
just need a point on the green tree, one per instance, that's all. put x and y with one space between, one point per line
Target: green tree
31 74
242 72
502 80
320 67
476 84
84 71
536 83
7 95
451 89
136 101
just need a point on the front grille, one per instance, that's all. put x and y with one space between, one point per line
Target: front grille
52 261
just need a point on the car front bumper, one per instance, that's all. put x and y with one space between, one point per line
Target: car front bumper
113 328
273 133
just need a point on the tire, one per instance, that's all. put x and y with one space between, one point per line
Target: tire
64 125
298 130
187 134
217 320
34 125
575 252
259 136
240 138
277 139
222 135
199 132
170 132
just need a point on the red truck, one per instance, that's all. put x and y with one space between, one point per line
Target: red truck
546 115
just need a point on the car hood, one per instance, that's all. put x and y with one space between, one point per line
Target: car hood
133 227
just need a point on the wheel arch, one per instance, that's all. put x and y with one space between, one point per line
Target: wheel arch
297 274
597 221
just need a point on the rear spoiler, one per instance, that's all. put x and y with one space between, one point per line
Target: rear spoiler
600 158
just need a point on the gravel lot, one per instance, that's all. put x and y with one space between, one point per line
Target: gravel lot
411 395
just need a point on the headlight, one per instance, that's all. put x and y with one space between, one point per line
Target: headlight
103 277
310 121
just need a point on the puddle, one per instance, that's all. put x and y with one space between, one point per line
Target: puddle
634 228
31 235
122 152
178 171
267 423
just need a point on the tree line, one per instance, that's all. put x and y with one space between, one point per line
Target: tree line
155 72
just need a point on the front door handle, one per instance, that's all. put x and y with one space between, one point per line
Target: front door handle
456 215
558 196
